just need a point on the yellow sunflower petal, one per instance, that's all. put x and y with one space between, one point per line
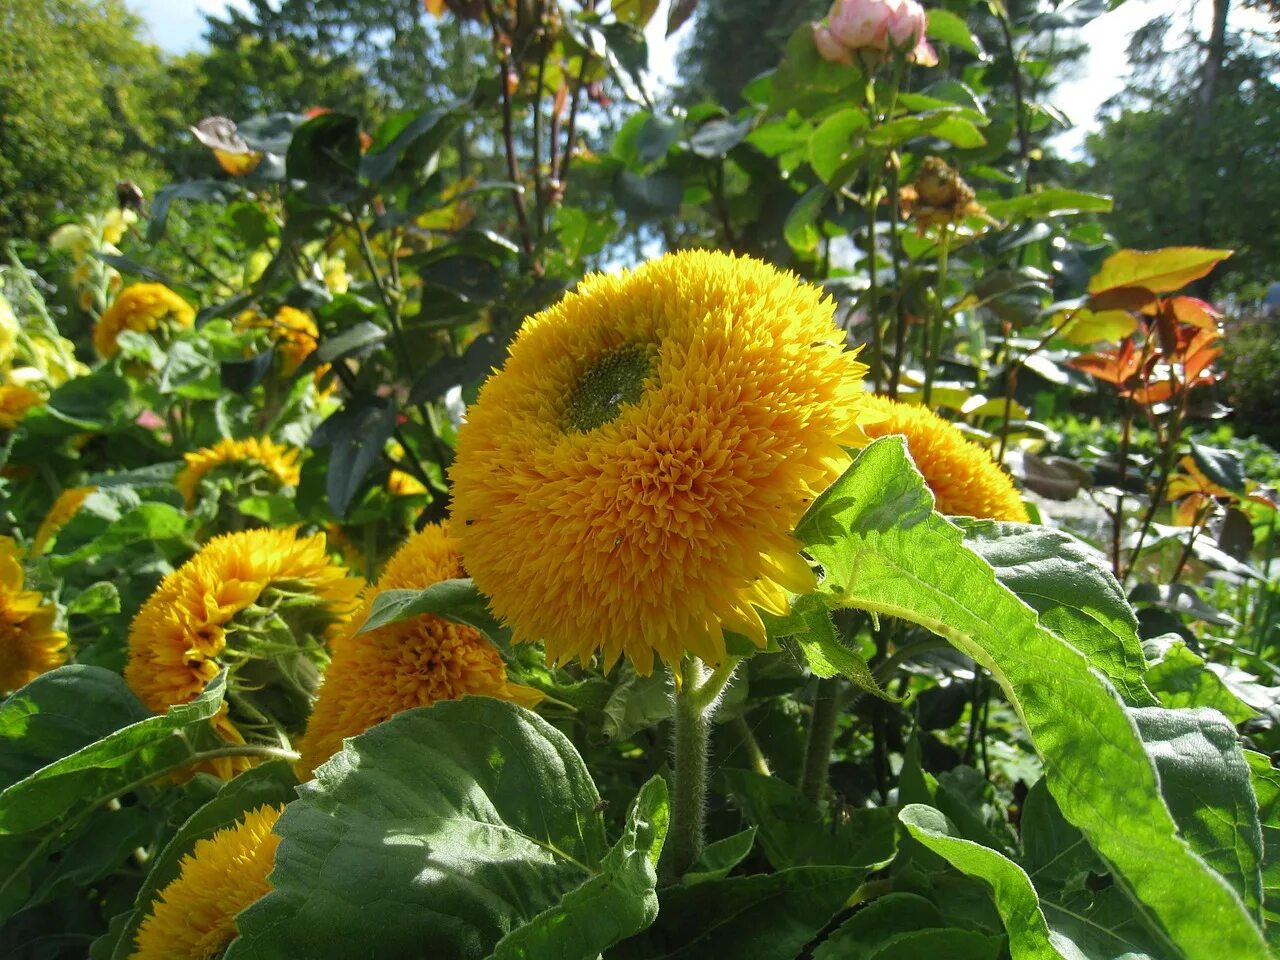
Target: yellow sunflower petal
194 915
413 663
277 459
650 440
29 644
66 506
141 307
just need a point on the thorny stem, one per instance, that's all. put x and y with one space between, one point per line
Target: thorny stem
697 693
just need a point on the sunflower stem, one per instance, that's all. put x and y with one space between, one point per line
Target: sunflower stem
693 706
822 737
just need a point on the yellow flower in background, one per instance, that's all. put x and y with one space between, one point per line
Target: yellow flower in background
66 506
194 916
402 484
278 460
293 333
629 481
413 663
15 401
29 644
116 223
141 307
965 479
184 634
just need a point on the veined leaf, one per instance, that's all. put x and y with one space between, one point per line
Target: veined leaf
1266 788
456 600
1015 898
1160 271
453 826
884 549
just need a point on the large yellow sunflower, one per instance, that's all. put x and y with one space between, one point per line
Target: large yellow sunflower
15 401
412 663
66 506
141 307
276 459
629 481
965 479
194 916
188 629
29 644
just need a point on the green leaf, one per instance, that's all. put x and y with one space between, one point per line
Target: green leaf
823 651
1011 889
1078 895
1074 593
357 340
1054 202
356 436
884 549
47 719
1266 788
616 903
97 599
959 132
833 147
90 402
720 857
636 703
410 141
268 784
715 138
325 153
1160 271
1181 679
1205 782
456 600
801 226
766 917
793 832
878 922
652 195
950 28
203 191
448 826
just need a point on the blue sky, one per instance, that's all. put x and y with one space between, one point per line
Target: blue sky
176 25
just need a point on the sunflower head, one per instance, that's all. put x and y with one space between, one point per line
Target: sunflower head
259 603
261 455
15 401
29 643
194 916
66 506
965 479
629 481
411 663
293 333
141 307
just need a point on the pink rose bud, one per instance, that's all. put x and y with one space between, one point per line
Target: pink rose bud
906 24
859 24
149 420
923 55
829 47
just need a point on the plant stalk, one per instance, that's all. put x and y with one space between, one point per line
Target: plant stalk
822 736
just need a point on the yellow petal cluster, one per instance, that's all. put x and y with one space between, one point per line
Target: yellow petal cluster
412 663
66 506
276 459
629 481
965 479
141 307
293 332
177 640
194 915
15 401
29 644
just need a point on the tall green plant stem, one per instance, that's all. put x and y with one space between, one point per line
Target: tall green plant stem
827 703
697 694
933 331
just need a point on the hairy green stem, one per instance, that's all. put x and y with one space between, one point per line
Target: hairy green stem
759 762
822 736
694 704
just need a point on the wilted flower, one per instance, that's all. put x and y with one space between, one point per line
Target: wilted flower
878 26
939 196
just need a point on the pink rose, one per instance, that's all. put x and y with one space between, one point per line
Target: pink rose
906 23
859 24
879 25
829 47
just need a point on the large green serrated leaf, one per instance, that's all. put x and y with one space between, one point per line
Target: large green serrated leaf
616 903
1074 594
1181 679
1205 782
1015 898
442 830
884 549
765 917
1266 788
809 626
271 783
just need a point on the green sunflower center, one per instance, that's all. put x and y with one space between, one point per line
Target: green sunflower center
615 379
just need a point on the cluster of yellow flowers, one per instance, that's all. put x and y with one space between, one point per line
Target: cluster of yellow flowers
142 308
293 333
